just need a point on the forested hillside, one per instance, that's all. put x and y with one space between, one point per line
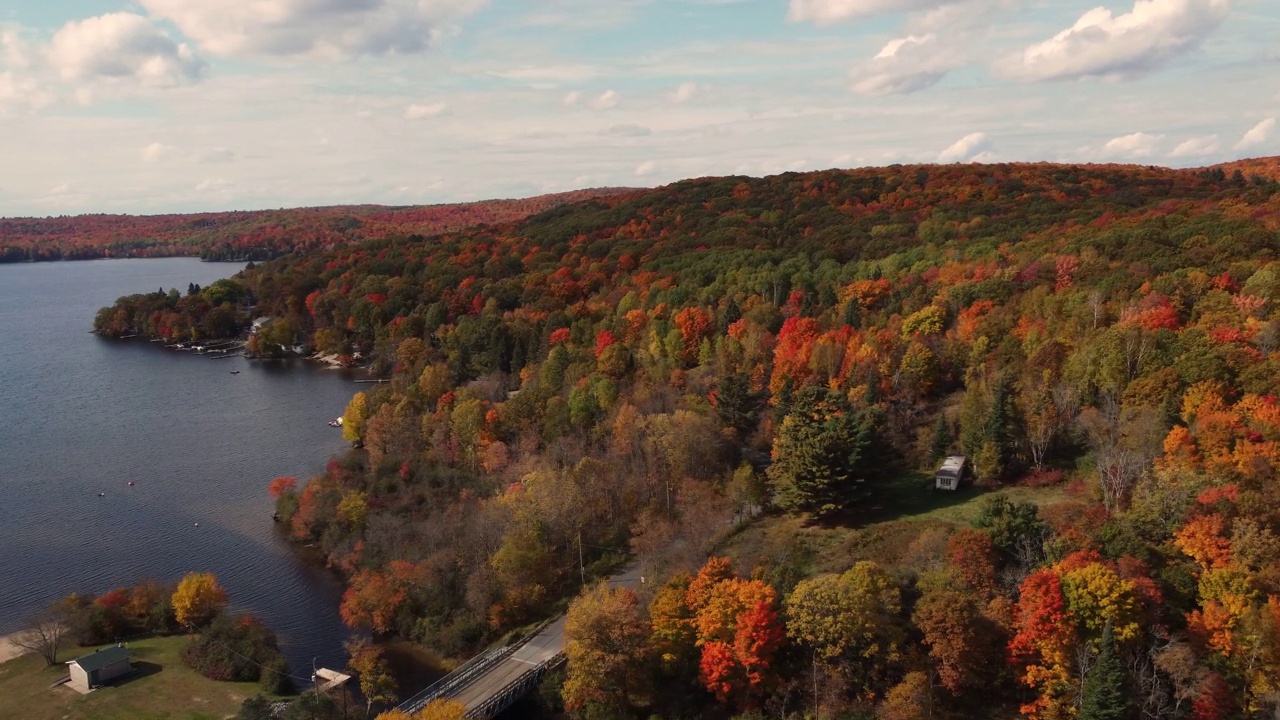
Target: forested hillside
253 235
595 380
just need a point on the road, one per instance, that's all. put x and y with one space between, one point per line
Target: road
542 647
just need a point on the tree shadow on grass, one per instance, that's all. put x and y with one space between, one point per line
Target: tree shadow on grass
906 495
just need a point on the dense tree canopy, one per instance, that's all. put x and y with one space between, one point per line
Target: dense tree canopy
613 377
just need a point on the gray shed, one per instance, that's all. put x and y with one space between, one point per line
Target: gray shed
99 667
951 474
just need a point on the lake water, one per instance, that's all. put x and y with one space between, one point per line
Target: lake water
80 415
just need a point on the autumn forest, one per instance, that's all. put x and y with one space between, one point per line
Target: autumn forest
744 384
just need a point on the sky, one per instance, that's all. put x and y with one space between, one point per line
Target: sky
150 106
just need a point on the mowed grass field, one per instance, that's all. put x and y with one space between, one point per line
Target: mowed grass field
161 688
905 522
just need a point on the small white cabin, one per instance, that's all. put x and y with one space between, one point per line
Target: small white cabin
951 474
99 668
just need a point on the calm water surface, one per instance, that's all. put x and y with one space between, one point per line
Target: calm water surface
80 415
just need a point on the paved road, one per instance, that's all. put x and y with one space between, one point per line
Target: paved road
540 648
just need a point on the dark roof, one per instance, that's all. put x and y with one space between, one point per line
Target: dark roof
102 658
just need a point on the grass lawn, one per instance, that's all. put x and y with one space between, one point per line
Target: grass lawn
162 688
911 496
905 523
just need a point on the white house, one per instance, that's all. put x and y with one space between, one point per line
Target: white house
951 474
99 667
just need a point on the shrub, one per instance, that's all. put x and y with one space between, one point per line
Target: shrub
1043 478
237 649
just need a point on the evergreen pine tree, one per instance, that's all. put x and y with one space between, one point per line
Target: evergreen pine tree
941 438
821 453
1104 695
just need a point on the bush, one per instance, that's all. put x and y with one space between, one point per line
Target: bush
237 649
1043 478
256 708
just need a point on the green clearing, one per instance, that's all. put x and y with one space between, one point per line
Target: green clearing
161 688
911 497
906 523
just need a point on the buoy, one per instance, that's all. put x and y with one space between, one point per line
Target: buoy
197 524
130 483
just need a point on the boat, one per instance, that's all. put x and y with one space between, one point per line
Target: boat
235 372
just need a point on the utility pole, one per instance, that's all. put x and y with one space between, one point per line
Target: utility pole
315 686
582 566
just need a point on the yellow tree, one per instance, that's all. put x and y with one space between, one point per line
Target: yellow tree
442 709
606 639
673 633
849 621
198 599
354 419
376 683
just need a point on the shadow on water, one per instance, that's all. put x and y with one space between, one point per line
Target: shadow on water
413 666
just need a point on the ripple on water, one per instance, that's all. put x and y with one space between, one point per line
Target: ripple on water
200 445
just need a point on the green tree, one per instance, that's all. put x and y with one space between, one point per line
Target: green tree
941 438
821 453
1105 695
1015 528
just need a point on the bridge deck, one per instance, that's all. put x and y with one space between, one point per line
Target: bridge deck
530 657
541 647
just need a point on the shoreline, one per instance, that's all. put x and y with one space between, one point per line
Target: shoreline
8 649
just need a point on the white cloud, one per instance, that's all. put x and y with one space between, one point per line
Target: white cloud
23 92
119 46
213 185
1196 147
826 12
158 152
607 100
419 112
628 130
903 65
1257 134
974 147
646 168
571 98
684 93
549 73
1129 45
15 52
332 28
1132 146
214 155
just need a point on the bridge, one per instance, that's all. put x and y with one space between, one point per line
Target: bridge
490 682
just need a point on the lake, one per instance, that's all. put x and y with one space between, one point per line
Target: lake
82 415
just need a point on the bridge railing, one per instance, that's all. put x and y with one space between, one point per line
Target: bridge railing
462 676
512 691
467 672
